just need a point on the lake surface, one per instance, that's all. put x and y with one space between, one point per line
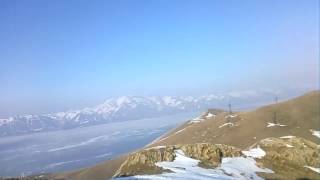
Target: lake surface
82 147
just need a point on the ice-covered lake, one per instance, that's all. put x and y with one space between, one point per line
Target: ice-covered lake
82 147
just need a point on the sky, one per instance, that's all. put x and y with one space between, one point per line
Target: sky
56 55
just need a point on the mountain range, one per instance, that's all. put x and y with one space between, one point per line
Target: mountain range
131 108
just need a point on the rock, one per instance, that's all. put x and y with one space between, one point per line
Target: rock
287 157
210 155
143 162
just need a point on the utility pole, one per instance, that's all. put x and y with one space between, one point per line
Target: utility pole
230 112
275 111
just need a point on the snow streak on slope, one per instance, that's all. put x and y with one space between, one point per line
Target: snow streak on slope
187 168
226 124
273 124
313 169
287 137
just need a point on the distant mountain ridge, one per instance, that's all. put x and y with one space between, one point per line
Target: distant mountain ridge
128 108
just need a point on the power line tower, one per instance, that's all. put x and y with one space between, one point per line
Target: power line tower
230 112
275 111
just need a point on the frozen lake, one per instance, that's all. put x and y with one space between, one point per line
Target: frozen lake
82 147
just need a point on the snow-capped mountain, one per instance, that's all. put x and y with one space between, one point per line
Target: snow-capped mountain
127 108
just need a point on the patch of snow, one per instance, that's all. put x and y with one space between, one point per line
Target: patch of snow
180 131
196 120
287 137
28 117
209 115
59 115
171 101
185 168
273 124
255 153
315 133
242 168
226 124
230 116
313 169
189 98
289 146
6 121
71 114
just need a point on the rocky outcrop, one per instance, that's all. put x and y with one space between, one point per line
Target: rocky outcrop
289 157
210 155
143 162
291 150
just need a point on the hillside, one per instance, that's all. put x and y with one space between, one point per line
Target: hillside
297 117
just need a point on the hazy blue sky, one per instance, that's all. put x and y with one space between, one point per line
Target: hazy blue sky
57 54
